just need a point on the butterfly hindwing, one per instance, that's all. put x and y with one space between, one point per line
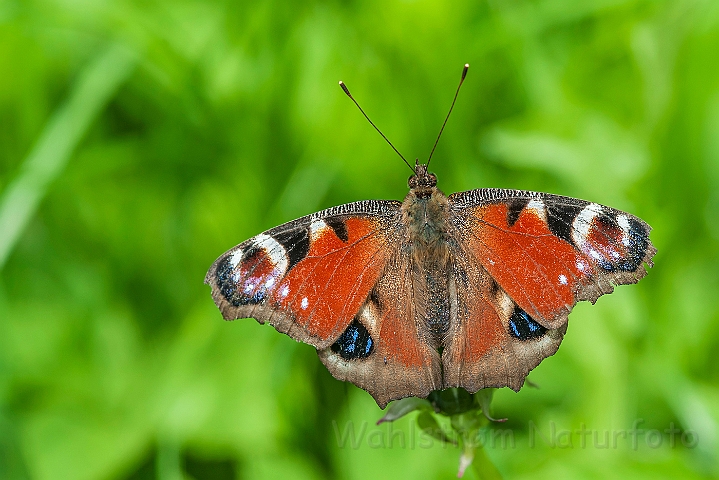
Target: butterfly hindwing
492 341
309 277
402 362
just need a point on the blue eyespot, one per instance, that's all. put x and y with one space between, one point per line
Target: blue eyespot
354 343
523 327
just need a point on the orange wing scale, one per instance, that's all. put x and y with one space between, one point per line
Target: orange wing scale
484 334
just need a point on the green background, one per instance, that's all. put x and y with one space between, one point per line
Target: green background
140 140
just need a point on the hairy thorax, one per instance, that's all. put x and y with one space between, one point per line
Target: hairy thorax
425 212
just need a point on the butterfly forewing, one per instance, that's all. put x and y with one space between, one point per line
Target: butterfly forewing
548 252
309 277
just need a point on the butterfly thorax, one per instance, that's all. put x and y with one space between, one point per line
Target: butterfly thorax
425 216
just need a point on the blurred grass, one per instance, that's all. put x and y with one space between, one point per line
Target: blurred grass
97 84
114 363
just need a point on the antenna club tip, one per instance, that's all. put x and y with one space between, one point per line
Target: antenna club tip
345 89
466 65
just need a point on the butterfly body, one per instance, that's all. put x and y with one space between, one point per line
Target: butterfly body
403 298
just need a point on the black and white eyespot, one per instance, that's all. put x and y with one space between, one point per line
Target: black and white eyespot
582 223
623 222
635 240
614 241
357 341
248 274
519 323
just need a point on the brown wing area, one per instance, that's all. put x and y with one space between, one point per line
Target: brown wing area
490 343
398 362
308 278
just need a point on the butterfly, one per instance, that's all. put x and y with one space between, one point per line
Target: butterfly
469 290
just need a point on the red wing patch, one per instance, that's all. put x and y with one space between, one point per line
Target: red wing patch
400 340
538 270
325 290
480 333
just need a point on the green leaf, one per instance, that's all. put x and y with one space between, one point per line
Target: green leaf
428 423
400 408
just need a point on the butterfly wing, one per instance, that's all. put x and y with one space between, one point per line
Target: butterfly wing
522 261
492 342
343 281
337 280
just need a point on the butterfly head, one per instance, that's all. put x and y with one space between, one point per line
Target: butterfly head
422 180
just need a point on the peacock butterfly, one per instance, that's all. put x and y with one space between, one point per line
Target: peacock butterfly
469 290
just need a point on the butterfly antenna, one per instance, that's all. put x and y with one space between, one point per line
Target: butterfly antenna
464 74
347 91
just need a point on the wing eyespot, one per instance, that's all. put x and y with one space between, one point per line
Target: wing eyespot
249 293
523 327
354 343
224 281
